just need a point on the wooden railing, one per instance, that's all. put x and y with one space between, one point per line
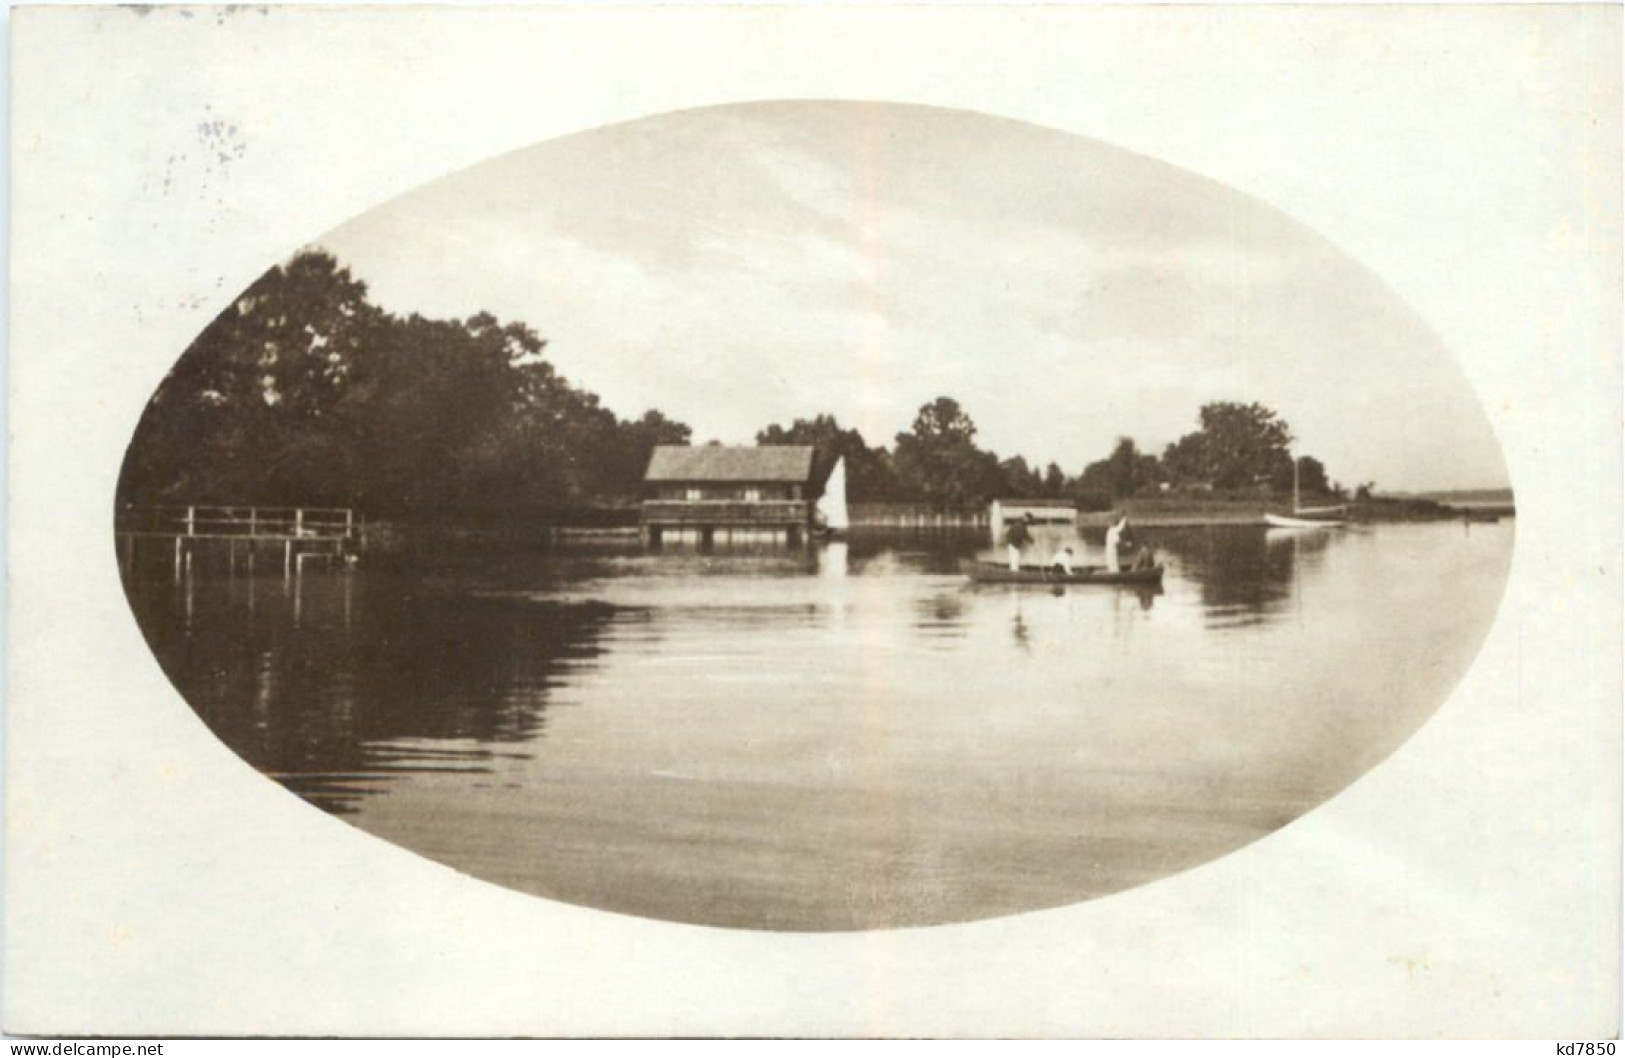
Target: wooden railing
915 516
726 512
247 523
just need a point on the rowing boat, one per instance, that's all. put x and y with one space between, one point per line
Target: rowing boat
999 573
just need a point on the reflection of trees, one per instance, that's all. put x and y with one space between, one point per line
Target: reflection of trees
312 699
1241 569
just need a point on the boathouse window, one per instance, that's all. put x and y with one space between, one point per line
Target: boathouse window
752 495
692 494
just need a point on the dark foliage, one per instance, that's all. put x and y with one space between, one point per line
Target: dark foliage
304 393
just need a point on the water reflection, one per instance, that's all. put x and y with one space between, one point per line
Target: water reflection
716 737
1245 575
281 671
284 671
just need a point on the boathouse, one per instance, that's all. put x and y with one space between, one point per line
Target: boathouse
720 495
1051 512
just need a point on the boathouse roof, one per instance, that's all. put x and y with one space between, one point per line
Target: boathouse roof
766 463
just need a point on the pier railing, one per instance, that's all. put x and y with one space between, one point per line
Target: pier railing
248 523
211 536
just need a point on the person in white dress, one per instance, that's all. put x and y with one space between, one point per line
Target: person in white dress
1114 542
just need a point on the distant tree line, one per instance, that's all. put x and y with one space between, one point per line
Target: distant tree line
304 393
1239 448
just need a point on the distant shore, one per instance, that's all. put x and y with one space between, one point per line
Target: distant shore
1178 512
616 527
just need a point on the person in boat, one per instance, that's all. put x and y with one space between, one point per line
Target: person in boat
1060 563
1114 542
1144 558
1017 537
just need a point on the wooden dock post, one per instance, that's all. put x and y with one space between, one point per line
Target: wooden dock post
193 531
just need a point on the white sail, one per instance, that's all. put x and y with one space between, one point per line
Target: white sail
832 504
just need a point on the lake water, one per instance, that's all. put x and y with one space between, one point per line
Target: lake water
850 737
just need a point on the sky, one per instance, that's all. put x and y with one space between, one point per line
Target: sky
750 264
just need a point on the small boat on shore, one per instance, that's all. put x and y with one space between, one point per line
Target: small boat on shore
1306 517
1281 521
1001 573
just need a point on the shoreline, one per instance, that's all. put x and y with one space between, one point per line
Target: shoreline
404 537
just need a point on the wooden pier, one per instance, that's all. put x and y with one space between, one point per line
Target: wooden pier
239 535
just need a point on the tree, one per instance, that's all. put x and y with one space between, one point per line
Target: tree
253 402
1238 446
638 438
1246 443
1018 479
1186 461
869 475
944 421
938 461
1054 482
1311 478
1123 473
303 393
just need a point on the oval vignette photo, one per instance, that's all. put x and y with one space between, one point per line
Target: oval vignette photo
816 516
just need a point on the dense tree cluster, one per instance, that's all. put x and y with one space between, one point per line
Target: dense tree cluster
869 475
305 393
1239 448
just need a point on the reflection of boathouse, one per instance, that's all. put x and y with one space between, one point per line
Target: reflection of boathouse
731 496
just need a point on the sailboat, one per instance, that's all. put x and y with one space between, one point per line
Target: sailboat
1298 519
830 517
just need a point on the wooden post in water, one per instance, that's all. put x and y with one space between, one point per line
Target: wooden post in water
287 558
177 558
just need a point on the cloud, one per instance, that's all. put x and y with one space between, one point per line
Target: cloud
746 265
